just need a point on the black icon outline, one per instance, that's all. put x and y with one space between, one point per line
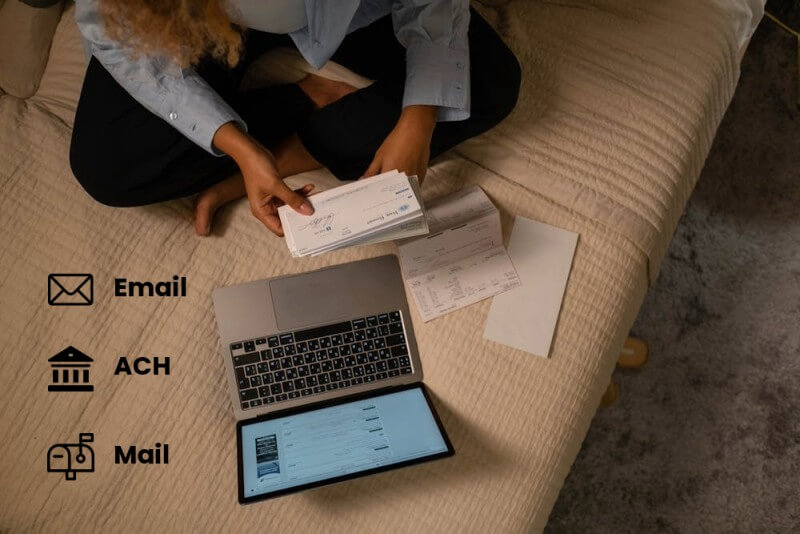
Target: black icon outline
70 360
53 280
84 453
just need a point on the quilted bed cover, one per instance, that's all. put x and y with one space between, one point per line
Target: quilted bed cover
619 104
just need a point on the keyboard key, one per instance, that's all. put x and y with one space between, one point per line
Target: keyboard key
347 373
383 330
250 370
362 358
370 369
274 365
290 350
322 331
298 360
396 328
338 363
385 354
311 381
333 352
358 371
279 376
368 345
277 352
348 337
241 379
291 374
325 342
249 346
255 381
372 320
306 392
357 380
248 394
336 340
404 361
246 359
381 376
344 384
313 344
321 355
300 383
288 386
381 366
319 389
286 363
302 370
302 347
360 335
331 387
256 402
315 368
309 357
323 378
344 350
394 316
286 338
383 318
369 378
397 339
394 372
372 333
262 367
263 391
380 343
272 341
266 378
235 346
373 355
261 341
266 355
275 389
359 323
356 347
245 405
335 376
350 361
269 400
294 394
399 350
405 370
394 364
281 397
327 366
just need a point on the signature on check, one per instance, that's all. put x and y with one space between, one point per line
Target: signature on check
319 222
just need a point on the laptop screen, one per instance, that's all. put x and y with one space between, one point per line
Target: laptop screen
332 443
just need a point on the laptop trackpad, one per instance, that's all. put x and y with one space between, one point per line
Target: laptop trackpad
315 298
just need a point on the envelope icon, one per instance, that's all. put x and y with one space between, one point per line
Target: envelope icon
70 289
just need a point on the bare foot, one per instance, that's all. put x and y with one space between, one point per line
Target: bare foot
210 200
323 91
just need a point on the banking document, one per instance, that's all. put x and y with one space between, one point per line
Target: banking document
339 440
462 260
382 208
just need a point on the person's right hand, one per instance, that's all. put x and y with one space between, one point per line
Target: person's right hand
266 191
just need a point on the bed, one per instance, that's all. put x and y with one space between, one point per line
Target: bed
619 104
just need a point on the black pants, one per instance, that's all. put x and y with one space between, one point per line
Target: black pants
124 155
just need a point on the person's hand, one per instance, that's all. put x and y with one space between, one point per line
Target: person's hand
266 191
407 148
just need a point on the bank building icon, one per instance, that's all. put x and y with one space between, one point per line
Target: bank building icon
70 371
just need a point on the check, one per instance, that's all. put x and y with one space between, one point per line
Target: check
377 209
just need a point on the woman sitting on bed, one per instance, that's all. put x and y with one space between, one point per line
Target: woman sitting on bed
160 116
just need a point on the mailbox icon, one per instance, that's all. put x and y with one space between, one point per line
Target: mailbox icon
72 458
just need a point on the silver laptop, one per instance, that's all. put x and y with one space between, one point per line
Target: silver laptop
310 337
325 378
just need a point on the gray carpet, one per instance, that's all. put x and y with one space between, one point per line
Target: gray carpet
706 438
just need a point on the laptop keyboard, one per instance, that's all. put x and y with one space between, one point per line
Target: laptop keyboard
308 362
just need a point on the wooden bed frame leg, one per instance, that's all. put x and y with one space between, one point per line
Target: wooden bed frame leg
633 355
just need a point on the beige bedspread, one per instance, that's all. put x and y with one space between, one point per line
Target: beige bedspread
619 104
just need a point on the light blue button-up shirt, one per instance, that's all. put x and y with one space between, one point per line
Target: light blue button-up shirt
434 33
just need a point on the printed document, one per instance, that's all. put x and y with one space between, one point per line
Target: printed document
462 260
382 208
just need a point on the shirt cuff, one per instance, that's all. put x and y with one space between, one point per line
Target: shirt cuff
200 113
437 75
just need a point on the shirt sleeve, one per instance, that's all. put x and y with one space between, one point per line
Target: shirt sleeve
434 33
179 96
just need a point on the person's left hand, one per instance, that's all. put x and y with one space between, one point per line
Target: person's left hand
407 148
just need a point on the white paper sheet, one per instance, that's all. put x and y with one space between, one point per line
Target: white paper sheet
525 317
463 261
378 209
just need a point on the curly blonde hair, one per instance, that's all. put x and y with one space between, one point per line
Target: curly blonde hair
183 30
